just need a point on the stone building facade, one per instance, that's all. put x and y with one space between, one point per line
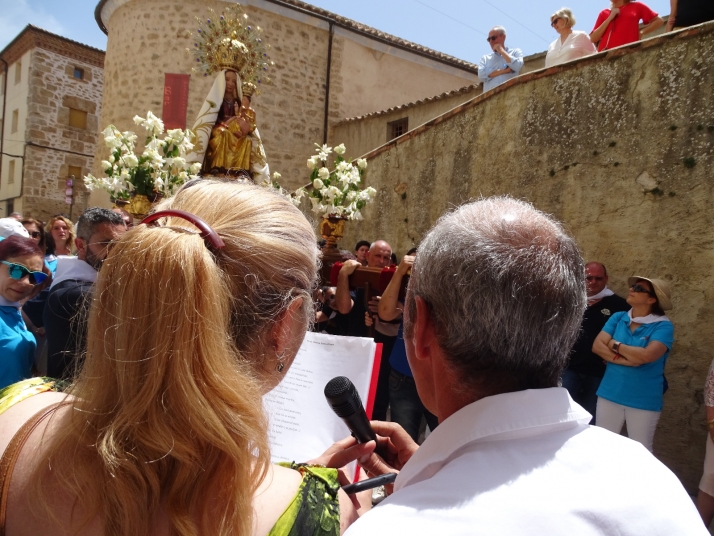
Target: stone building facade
327 68
619 146
51 102
364 133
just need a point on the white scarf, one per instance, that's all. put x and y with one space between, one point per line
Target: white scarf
649 319
604 293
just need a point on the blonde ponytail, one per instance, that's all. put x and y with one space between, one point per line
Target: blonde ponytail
167 410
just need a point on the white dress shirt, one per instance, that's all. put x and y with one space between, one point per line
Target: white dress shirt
70 267
576 45
527 463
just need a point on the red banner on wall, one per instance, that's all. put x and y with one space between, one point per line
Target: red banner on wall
175 100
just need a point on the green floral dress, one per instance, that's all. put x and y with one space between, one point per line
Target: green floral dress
314 511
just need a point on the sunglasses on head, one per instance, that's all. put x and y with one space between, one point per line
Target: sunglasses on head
639 288
18 271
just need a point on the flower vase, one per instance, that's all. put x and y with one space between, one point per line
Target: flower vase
119 203
332 228
139 206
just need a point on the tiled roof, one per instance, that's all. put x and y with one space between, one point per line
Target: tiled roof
359 27
349 24
32 36
446 95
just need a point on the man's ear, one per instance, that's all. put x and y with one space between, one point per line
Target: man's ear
80 244
423 330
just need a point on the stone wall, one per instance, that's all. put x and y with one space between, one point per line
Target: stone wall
148 39
54 145
619 146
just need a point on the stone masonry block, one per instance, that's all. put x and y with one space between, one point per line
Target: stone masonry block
79 103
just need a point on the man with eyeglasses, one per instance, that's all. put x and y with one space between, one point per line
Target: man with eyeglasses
584 372
65 313
502 64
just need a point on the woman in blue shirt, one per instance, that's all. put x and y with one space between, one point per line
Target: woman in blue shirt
635 345
21 263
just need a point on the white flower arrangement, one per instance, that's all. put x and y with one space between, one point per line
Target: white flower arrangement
336 192
161 168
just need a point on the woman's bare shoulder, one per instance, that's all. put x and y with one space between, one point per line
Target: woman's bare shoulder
274 496
12 420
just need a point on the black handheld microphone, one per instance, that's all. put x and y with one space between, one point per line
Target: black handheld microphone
344 400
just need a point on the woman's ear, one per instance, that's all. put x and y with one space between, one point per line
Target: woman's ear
289 325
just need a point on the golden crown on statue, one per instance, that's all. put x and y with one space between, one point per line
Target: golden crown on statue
229 42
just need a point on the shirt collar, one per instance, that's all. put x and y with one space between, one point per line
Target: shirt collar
70 267
7 303
505 416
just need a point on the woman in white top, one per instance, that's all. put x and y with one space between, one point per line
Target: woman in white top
572 44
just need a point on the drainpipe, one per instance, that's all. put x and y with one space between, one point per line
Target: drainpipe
327 82
2 123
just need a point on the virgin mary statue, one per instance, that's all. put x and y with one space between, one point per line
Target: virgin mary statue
227 142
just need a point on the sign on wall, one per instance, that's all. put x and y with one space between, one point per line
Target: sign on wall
175 100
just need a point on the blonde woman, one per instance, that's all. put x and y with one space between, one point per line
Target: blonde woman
571 44
62 232
163 431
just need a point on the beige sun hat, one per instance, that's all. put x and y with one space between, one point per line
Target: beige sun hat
660 287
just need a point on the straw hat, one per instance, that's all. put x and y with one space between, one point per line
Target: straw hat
660 287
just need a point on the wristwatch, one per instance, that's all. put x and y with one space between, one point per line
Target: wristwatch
616 347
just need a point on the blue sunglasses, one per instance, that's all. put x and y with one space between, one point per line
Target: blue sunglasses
18 271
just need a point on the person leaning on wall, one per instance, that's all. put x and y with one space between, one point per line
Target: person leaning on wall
684 13
570 44
620 24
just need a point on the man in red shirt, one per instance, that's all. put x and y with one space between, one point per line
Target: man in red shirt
620 25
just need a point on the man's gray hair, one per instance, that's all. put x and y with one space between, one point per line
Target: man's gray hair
505 288
94 216
499 29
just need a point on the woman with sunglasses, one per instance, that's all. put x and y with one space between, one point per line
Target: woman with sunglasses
571 44
193 319
36 231
62 231
635 346
21 263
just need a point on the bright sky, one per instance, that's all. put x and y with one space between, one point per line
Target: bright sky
456 27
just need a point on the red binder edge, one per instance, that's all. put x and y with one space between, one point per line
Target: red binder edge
372 391
373 381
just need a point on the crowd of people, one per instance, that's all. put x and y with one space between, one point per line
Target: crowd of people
174 329
49 276
624 22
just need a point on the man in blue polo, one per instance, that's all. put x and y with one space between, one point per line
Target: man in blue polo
502 64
